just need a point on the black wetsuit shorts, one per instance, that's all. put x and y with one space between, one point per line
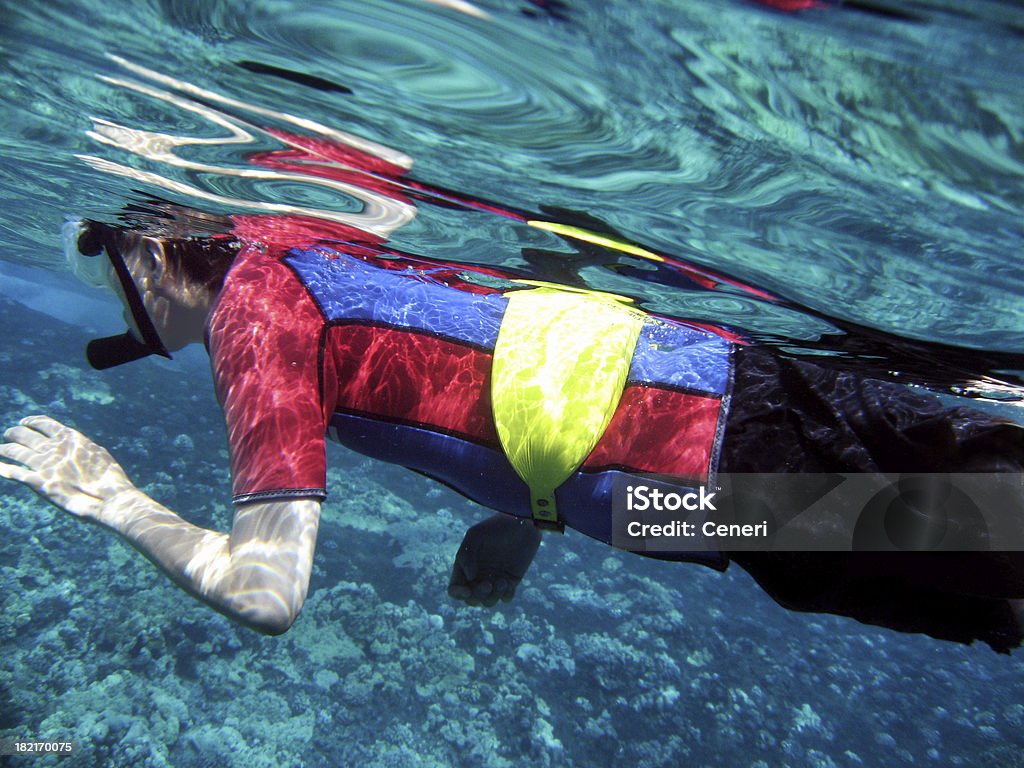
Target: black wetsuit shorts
792 415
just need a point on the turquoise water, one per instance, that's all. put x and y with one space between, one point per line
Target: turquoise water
866 169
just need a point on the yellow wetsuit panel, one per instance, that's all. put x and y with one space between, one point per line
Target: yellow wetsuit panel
560 365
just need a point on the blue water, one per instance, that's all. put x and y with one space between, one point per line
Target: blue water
864 168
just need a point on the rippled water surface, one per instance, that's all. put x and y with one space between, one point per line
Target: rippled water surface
860 165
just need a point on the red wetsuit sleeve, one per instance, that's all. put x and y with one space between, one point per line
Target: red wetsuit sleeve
264 337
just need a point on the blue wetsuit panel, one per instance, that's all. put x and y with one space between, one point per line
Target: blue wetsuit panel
347 289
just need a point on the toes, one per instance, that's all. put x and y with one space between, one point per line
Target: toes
459 591
482 589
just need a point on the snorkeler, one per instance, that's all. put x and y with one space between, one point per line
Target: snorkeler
311 334
532 399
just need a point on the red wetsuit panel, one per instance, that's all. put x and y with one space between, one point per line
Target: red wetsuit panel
414 378
659 430
263 336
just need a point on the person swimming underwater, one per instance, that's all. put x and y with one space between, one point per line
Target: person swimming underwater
311 335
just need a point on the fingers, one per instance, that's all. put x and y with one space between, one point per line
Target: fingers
471 593
35 431
25 437
18 474
506 589
33 439
30 444
15 452
45 425
487 589
488 594
23 447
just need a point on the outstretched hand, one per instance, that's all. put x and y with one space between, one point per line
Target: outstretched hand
62 465
493 559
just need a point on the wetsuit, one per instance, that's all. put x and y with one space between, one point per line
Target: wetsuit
392 357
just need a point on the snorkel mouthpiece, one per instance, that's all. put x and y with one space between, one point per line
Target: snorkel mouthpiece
112 351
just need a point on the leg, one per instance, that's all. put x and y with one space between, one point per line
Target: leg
792 416
908 592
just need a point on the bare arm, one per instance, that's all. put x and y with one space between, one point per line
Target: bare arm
258 574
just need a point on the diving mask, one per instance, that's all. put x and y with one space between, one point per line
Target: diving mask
89 239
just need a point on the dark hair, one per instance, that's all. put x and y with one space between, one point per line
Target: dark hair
201 261
198 247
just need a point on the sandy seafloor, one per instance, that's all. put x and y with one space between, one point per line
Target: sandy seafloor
602 659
